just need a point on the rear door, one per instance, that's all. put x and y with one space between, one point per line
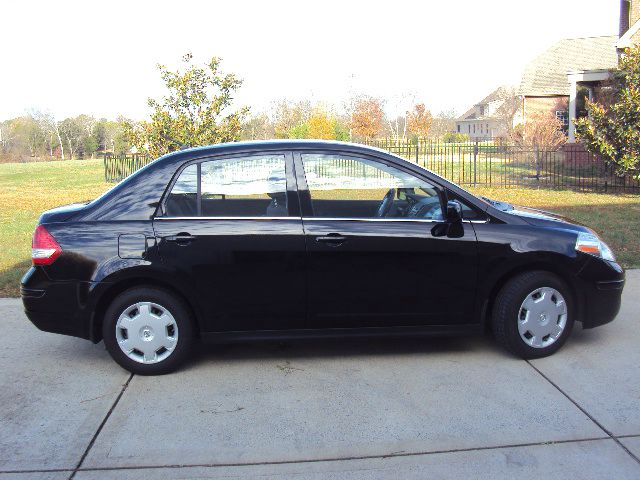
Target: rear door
231 231
377 264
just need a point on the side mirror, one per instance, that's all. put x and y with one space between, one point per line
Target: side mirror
454 211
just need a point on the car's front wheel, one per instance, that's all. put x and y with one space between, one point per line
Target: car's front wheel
148 331
533 314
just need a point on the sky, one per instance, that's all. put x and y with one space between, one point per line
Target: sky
100 58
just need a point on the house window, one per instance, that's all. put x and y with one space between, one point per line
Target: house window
481 111
474 128
458 128
563 116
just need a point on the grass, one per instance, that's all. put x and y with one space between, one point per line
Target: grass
27 189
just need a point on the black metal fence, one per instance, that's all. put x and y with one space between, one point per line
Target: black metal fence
118 167
496 164
490 164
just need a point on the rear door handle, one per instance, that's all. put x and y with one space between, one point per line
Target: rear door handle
181 238
333 239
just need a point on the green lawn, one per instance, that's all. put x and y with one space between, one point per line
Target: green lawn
28 189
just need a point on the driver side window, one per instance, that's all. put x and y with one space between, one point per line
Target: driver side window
349 187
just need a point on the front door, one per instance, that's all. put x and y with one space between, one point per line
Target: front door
375 259
232 233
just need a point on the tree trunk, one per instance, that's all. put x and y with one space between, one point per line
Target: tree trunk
57 130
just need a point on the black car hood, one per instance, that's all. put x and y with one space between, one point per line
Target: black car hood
537 217
546 219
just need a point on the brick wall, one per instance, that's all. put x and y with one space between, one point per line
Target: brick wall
535 105
634 16
634 12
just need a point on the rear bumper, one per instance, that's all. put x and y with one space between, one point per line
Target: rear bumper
600 286
57 307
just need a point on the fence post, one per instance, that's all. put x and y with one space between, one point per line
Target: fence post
417 150
475 163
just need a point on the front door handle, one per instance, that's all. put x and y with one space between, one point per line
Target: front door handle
333 239
181 238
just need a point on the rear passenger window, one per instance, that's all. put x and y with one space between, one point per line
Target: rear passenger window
254 186
244 187
183 197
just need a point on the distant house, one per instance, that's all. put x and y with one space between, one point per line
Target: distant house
484 119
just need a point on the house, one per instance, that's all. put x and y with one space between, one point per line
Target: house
559 79
485 119
577 67
629 24
551 81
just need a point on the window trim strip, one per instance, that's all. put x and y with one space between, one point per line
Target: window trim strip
199 189
319 219
227 218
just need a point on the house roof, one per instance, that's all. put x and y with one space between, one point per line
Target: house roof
547 74
500 93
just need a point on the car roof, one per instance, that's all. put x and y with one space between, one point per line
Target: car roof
256 145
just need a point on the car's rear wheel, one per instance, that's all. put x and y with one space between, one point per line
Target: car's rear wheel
148 331
533 314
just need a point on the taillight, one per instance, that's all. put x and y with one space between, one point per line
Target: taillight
44 248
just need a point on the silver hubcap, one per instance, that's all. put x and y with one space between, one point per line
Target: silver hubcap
542 317
147 332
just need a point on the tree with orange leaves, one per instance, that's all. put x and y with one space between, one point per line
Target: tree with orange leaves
419 121
367 117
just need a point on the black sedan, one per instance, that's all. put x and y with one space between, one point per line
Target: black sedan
284 239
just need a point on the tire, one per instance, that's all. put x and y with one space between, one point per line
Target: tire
526 308
153 325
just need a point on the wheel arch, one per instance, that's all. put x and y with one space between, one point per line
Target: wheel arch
116 288
557 268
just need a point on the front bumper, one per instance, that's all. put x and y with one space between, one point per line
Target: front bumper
600 286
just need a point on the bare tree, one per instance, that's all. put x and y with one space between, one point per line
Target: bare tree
72 134
51 126
258 127
542 130
508 112
398 123
443 123
287 115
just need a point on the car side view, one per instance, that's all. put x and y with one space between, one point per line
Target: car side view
282 239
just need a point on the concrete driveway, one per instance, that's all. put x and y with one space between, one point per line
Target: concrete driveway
454 408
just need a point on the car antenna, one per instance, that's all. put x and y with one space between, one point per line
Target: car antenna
183 146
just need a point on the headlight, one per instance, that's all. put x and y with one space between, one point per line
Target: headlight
591 244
